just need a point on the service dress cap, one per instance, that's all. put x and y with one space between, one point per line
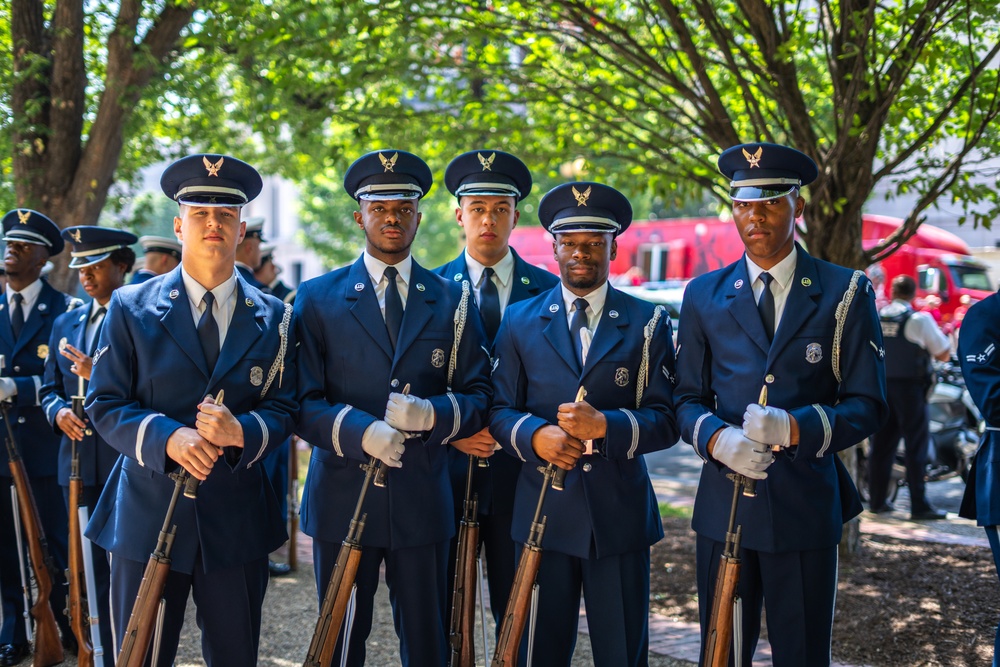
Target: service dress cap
91 244
211 180
164 244
584 207
26 226
266 252
488 172
764 171
255 228
388 174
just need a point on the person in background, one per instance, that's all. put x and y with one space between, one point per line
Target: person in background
268 274
911 339
249 251
161 255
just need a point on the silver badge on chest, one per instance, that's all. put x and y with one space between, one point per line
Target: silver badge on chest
814 353
437 358
256 376
621 377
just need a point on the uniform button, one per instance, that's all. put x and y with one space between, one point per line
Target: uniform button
587 467
769 378
17 369
20 420
394 384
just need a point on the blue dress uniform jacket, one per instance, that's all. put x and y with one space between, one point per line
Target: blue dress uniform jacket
25 361
494 486
97 458
608 506
347 368
977 352
149 376
724 359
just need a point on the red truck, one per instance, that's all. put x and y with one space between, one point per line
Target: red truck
949 279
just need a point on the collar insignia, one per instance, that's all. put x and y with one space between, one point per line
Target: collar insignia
388 163
213 169
754 159
23 216
486 162
581 197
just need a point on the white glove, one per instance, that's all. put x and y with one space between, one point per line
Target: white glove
384 443
409 413
742 455
768 425
8 388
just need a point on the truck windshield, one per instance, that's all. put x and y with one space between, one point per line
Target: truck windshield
970 277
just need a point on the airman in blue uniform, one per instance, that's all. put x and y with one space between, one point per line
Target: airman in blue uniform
248 253
369 332
103 258
977 352
161 256
806 330
168 346
584 336
489 184
27 310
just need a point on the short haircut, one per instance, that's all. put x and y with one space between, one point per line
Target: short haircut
124 256
904 287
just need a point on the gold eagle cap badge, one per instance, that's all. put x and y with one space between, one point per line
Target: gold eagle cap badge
581 197
486 162
213 168
76 235
753 159
23 216
388 163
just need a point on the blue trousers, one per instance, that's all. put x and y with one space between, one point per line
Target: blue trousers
799 589
416 581
993 535
228 609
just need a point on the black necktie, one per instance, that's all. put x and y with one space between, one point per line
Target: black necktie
577 324
17 315
766 305
393 305
489 304
99 318
208 332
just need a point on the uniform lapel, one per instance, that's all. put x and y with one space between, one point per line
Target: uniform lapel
6 333
244 330
521 290
800 306
79 333
609 334
175 306
742 306
557 330
36 318
457 270
360 291
420 299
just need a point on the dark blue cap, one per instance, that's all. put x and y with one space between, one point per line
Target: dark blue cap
211 180
388 174
488 172
94 244
765 171
584 207
27 226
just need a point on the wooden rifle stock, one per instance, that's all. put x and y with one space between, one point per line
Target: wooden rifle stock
141 624
519 602
75 574
48 649
338 591
293 503
463 600
719 639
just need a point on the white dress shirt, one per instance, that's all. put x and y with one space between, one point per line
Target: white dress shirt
503 274
225 302
783 272
376 269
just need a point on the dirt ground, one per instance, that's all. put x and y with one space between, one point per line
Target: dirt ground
899 603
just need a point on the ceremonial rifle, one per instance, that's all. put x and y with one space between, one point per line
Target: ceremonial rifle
142 622
463 601
75 573
48 649
516 613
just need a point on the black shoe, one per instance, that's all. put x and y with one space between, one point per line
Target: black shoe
885 508
12 654
278 569
929 514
